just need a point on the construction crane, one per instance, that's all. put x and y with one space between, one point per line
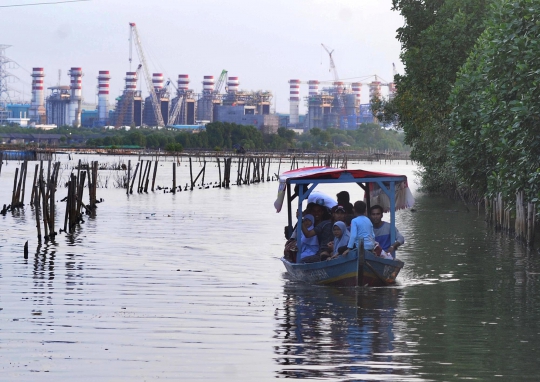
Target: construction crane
332 64
177 107
126 100
221 81
339 95
153 96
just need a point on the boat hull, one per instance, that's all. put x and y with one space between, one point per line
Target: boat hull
343 271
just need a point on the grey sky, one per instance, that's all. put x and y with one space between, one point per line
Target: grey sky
265 43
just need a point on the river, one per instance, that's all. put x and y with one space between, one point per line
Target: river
190 287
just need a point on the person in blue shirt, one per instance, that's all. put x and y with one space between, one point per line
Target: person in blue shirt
361 228
382 230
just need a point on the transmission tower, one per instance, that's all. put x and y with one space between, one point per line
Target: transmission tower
4 91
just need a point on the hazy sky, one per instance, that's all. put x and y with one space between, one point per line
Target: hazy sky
265 43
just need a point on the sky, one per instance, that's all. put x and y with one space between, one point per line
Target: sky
265 43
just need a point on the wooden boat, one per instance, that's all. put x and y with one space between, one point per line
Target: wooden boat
388 190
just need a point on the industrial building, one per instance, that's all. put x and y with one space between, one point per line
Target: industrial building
336 105
129 105
63 105
162 93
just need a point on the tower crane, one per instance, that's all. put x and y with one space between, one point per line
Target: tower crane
153 96
339 95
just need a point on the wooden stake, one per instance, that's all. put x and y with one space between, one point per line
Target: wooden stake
154 176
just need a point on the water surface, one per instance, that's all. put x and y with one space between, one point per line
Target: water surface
190 287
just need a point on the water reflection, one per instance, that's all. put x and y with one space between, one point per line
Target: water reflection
340 333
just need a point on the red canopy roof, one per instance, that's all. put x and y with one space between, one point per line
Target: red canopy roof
321 172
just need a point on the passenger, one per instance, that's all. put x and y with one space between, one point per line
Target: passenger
309 245
382 230
344 200
323 231
361 228
341 239
339 215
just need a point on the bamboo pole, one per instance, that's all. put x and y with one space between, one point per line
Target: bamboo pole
14 188
134 177
36 209
219 170
147 176
128 176
24 181
174 177
32 196
191 174
154 176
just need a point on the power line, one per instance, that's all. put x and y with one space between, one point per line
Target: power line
48 3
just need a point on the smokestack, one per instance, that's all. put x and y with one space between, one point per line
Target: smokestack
183 83
208 84
157 82
313 87
37 109
74 112
232 84
131 81
294 101
103 97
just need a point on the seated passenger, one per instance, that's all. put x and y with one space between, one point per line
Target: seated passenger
344 200
308 245
361 228
323 231
382 231
339 215
341 239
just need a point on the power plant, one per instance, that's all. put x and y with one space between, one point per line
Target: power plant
330 104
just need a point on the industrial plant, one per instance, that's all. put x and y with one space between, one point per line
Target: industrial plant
330 104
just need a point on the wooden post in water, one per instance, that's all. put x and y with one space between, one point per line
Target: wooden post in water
134 177
174 177
128 176
219 170
154 176
24 181
36 209
191 174
203 173
14 194
45 208
32 196
147 181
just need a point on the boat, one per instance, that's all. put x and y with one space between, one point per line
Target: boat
387 190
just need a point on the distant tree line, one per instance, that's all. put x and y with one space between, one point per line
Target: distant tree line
227 136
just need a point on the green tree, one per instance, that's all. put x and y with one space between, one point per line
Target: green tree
496 109
436 39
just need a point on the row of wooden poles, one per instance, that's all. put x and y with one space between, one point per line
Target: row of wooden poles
249 170
44 192
522 215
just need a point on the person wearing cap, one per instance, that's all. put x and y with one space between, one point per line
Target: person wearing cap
340 215
382 230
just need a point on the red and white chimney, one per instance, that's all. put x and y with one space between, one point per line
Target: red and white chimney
74 110
208 84
232 84
37 110
103 96
183 83
294 101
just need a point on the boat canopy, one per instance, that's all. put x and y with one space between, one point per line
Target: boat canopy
378 185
